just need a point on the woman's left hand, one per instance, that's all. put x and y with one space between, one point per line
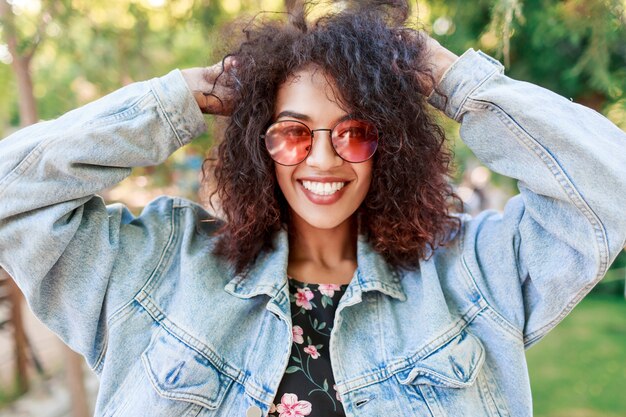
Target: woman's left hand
440 60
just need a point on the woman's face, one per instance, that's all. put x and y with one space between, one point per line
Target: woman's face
310 97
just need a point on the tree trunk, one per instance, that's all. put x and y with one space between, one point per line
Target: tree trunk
26 96
21 68
17 325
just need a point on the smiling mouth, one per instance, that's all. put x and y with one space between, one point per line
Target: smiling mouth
323 188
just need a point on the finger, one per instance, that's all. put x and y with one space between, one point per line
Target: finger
230 62
211 103
211 73
221 73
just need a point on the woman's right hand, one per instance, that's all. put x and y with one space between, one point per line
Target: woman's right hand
213 87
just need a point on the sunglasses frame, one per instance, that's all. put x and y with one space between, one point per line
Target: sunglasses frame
330 131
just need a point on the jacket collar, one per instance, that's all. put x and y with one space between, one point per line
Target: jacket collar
268 275
373 272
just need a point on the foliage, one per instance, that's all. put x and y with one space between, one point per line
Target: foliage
574 47
91 47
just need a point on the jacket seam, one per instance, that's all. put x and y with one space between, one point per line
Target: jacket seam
97 367
197 399
206 351
571 192
24 164
194 399
452 331
166 255
132 109
123 312
165 114
496 70
155 272
381 328
254 350
498 318
501 320
434 401
559 175
28 160
118 313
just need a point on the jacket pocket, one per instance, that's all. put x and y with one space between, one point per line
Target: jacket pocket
178 372
168 379
454 380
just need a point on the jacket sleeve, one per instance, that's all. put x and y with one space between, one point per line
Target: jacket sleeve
556 239
58 240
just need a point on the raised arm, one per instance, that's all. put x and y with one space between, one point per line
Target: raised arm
557 238
77 261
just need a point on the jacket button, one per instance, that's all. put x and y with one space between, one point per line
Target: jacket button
254 411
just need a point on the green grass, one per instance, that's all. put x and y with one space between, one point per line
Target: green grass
579 369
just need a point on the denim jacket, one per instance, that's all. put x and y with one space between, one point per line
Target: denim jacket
172 331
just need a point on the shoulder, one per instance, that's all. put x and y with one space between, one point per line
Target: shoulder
164 210
490 228
164 226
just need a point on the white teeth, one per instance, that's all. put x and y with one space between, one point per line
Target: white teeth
323 188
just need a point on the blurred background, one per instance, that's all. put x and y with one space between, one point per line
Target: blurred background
56 55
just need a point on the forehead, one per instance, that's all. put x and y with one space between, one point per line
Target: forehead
312 92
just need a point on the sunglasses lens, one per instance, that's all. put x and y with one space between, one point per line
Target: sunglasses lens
355 140
288 142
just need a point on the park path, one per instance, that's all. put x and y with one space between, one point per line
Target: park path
49 398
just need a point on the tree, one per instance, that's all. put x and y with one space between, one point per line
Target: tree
574 47
22 50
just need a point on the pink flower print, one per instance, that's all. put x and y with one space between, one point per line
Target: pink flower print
328 289
312 350
272 408
290 406
303 296
297 333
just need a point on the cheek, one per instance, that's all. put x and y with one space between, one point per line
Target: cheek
364 173
283 177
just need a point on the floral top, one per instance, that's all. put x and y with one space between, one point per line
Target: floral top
308 386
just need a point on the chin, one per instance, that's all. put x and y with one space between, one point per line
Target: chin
323 221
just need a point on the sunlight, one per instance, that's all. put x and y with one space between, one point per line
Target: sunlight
28 6
5 55
157 4
231 6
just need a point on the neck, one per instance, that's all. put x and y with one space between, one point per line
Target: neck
322 255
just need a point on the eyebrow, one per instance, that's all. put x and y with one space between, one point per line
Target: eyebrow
300 116
289 113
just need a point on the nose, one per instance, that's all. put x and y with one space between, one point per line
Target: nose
323 155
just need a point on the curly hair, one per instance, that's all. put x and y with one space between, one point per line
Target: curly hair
377 64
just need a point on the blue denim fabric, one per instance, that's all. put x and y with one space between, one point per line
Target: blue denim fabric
171 331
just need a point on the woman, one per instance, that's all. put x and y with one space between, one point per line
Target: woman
331 180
